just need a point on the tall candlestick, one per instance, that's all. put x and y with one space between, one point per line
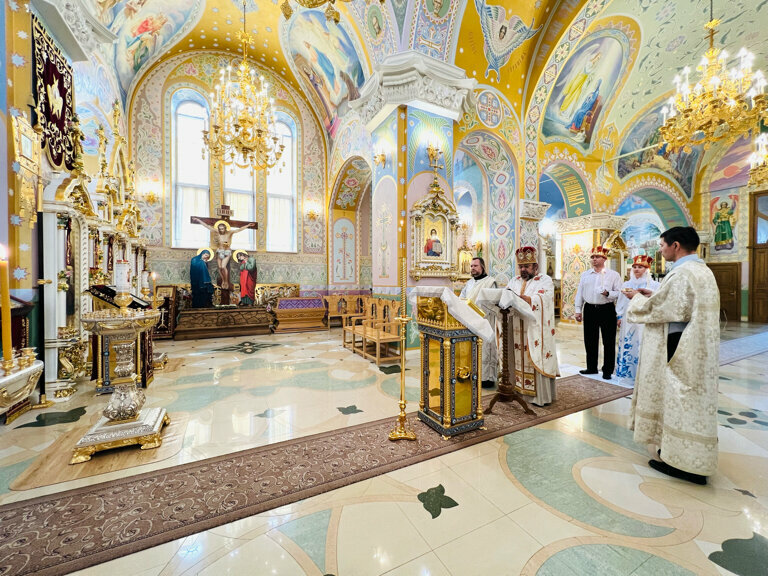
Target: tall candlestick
154 283
5 304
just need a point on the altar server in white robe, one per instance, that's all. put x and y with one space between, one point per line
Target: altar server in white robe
471 290
630 334
674 406
536 362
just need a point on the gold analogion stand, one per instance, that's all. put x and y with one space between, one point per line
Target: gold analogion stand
401 430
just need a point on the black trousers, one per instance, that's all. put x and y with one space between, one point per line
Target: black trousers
673 339
600 319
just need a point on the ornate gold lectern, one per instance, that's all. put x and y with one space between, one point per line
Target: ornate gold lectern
451 361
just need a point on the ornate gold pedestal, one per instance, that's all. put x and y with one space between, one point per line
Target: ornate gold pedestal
123 423
451 364
145 430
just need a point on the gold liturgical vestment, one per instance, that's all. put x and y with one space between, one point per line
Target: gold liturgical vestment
536 363
675 403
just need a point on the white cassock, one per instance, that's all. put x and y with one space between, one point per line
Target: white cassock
536 362
675 403
471 291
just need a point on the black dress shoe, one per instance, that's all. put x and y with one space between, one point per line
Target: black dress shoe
587 371
665 468
606 376
488 384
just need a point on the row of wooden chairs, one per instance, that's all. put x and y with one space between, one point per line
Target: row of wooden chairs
369 325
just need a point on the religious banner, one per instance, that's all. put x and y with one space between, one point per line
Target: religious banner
54 91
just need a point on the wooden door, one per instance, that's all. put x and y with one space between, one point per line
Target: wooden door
758 259
728 277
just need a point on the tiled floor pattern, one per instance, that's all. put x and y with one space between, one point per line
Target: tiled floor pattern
573 496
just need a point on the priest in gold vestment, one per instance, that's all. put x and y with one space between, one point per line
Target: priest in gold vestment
536 362
479 281
674 406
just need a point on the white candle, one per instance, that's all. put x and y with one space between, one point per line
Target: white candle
122 276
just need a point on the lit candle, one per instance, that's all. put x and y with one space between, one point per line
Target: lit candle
5 304
154 282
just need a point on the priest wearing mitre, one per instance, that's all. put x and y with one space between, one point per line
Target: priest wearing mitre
471 291
536 362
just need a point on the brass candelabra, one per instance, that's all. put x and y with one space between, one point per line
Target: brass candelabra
402 431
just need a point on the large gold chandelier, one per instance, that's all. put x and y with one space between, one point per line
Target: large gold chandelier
723 105
243 116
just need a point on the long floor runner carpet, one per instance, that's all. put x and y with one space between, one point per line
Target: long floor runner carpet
72 530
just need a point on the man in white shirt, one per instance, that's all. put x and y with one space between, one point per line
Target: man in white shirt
471 290
596 297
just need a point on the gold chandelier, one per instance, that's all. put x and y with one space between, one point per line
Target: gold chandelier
758 161
723 105
242 130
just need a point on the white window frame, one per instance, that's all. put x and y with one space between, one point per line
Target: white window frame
272 244
178 238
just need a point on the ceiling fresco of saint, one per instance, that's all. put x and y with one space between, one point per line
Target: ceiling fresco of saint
580 79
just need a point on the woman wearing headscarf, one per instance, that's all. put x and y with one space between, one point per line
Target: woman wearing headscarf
630 334
200 279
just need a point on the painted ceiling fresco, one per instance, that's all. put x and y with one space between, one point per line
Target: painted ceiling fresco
673 36
351 185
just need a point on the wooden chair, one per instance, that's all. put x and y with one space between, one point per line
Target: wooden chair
381 337
337 307
352 318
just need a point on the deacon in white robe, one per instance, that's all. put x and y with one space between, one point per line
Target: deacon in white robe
536 361
471 291
675 402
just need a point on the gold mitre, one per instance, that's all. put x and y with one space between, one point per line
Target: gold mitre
526 255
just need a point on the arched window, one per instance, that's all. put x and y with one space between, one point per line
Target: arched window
191 186
240 196
281 192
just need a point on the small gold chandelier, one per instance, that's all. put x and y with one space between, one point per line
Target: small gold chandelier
758 161
724 105
243 117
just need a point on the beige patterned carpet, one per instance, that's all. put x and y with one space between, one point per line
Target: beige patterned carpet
71 530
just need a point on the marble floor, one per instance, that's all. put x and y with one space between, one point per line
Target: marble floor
573 496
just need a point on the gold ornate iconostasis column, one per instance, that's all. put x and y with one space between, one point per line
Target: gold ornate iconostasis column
578 237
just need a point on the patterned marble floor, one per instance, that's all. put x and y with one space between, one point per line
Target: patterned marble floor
574 496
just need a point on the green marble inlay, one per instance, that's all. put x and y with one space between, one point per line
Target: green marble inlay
543 460
743 557
193 399
53 418
391 387
609 431
9 473
608 559
323 380
434 500
347 410
310 533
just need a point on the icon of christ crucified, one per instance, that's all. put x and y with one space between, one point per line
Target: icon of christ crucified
222 240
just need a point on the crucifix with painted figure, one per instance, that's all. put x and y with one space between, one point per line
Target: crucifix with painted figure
221 236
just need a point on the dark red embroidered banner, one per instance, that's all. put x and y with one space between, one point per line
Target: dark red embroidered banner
54 97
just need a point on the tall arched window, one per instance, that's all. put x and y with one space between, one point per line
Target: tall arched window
281 192
240 196
191 186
